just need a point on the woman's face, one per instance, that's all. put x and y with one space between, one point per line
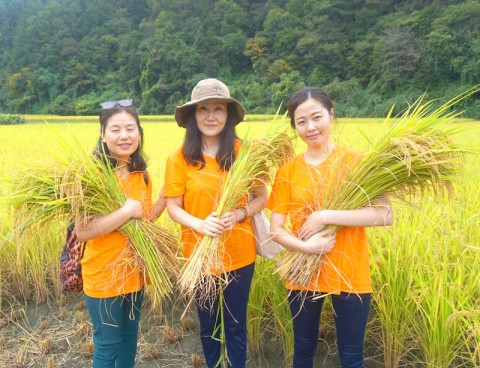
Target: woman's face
313 122
121 135
211 118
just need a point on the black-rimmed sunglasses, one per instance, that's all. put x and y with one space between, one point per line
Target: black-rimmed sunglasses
111 104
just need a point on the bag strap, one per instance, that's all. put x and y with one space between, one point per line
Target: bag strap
71 233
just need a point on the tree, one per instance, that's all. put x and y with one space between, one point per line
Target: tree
278 68
256 50
396 58
283 90
155 51
452 45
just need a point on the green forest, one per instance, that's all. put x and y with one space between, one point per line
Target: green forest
65 56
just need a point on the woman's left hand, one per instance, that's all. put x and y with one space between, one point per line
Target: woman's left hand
314 224
230 219
158 207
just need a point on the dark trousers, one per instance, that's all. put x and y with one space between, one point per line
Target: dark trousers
351 315
115 329
235 301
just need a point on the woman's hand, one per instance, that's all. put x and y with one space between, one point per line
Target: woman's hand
102 225
158 207
320 243
212 225
133 208
231 218
314 224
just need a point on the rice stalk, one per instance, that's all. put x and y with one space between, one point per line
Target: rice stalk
224 360
438 333
414 155
268 314
393 268
256 308
445 293
277 304
27 267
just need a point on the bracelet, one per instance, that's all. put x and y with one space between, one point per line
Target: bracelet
245 213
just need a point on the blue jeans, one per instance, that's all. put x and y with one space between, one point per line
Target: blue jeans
351 315
235 301
115 329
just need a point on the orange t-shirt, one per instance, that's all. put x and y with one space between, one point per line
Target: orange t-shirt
201 189
108 265
298 190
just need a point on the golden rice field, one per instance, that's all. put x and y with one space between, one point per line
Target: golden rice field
425 271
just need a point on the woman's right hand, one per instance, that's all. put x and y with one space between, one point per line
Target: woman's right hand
320 243
101 225
212 225
133 208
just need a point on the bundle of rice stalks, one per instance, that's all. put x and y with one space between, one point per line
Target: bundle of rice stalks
81 186
413 156
256 162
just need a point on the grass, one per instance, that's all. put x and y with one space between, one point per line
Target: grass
425 270
143 118
425 308
268 313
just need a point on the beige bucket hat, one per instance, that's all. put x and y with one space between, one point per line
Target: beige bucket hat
211 90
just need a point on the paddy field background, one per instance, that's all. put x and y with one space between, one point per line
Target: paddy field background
425 270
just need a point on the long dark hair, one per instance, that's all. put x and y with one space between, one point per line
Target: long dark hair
137 160
192 145
303 95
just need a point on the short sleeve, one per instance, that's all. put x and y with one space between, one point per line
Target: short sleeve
280 196
175 175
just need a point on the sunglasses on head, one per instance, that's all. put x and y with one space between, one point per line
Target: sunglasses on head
111 104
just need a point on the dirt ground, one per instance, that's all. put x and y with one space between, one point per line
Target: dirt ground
59 334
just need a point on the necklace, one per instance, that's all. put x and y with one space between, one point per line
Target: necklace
210 152
318 157
122 172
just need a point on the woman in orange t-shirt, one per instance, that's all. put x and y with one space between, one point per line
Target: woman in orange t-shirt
298 188
112 284
193 179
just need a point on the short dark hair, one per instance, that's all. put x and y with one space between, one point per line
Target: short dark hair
303 95
192 145
101 151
